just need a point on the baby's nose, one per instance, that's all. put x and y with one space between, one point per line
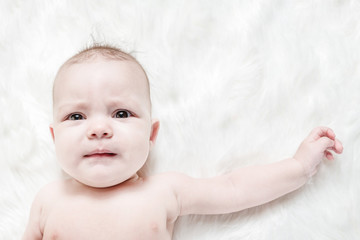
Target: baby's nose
100 129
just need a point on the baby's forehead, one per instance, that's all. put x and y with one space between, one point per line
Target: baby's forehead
84 87
89 65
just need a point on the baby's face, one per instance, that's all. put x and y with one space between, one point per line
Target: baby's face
102 126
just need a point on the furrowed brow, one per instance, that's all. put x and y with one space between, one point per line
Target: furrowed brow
72 106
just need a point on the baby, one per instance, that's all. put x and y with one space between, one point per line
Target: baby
103 132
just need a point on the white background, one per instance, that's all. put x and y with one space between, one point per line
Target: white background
233 83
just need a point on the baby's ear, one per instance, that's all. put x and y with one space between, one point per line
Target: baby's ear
52 132
155 125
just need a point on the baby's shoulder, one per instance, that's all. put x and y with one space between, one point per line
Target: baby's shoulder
169 180
50 191
166 177
53 187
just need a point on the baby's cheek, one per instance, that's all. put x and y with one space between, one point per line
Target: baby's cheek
66 148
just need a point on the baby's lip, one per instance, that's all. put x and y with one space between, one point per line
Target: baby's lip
100 153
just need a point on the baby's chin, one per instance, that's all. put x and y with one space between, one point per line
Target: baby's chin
102 182
100 176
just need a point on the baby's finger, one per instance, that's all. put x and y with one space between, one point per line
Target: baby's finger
338 147
326 143
328 155
319 132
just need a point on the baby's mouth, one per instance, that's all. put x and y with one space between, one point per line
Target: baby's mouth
101 153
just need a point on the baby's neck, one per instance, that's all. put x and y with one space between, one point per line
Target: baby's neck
81 188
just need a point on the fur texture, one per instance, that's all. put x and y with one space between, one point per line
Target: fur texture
233 83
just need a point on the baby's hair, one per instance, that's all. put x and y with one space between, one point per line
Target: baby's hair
104 50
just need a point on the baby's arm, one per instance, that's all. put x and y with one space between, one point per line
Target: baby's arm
252 186
47 195
33 231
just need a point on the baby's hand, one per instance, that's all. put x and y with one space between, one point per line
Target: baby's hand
317 145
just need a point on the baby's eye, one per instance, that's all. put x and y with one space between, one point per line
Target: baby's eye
75 116
122 114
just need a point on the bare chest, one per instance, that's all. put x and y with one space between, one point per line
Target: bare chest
128 218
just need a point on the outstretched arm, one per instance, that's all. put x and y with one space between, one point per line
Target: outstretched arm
251 186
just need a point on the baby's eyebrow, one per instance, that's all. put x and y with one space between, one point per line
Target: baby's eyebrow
115 102
127 102
72 105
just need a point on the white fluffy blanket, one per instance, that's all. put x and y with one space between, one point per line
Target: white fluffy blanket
234 83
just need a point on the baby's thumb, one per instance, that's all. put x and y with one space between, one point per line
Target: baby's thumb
325 143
